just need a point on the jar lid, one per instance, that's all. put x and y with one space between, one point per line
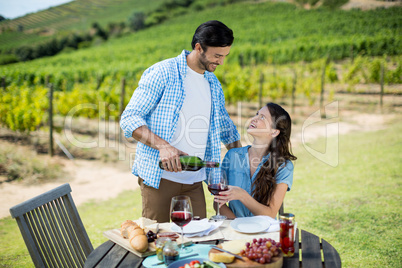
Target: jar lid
287 216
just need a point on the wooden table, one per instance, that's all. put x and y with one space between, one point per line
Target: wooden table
313 254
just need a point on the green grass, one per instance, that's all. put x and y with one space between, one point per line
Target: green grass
355 206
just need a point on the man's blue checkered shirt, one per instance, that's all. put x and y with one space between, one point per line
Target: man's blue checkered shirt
157 103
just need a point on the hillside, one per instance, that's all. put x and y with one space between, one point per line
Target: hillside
77 15
269 39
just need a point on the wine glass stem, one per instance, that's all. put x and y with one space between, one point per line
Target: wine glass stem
182 239
217 209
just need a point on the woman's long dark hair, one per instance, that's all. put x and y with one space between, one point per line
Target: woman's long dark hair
264 185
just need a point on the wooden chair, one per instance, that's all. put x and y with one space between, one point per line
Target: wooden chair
52 229
280 210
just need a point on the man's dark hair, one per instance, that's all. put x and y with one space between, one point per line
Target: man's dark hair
212 33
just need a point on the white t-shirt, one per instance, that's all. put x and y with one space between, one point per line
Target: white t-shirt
193 126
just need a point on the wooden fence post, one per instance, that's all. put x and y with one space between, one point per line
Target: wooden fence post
382 85
294 90
322 88
121 108
122 94
51 152
260 91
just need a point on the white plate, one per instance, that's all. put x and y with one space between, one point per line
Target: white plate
250 225
192 227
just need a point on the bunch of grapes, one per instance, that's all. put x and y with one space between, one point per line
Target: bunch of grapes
261 250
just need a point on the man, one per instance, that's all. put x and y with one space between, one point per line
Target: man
179 109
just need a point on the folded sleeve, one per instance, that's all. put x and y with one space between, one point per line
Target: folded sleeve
144 99
285 174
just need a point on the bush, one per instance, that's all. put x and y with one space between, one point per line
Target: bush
137 21
7 59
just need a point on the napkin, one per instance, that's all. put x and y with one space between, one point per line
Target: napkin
274 227
274 224
214 226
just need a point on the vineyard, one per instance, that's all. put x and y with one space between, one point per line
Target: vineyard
279 51
73 16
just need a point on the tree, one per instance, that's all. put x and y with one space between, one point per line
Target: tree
137 21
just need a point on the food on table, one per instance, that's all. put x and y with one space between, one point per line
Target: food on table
144 222
173 236
151 236
197 264
261 250
234 246
134 232
125 226
139 243
136 235
221 257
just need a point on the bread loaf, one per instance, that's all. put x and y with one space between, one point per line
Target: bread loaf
139 243
221 257
125 226
134 232
136 235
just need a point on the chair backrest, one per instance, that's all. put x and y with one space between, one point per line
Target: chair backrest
281 209
52 229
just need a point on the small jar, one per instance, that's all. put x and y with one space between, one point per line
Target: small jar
287 239
170 252
159 244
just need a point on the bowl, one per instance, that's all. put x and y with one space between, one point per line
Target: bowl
182 262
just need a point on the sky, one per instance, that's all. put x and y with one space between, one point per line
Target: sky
11 9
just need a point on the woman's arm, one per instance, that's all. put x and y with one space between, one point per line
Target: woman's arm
237 193
225 210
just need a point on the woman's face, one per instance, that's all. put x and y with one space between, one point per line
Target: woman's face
261 124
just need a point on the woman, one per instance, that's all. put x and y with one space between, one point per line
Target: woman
259 175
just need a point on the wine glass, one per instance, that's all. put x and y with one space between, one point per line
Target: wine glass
181 213
217 182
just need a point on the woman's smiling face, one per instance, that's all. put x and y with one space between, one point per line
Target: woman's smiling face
261 123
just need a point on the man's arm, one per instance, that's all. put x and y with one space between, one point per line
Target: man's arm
236 144
169 155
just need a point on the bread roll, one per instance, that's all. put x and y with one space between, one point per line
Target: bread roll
139 242
129 222
124 230
134 232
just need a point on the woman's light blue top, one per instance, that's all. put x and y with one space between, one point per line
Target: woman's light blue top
236 165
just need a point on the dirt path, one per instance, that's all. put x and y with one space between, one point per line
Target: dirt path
95 180
90 180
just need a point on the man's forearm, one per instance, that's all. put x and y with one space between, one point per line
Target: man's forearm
236 144
144 135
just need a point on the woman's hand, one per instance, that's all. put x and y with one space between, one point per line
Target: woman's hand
234 193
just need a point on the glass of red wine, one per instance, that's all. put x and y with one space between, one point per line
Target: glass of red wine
217 182
181 213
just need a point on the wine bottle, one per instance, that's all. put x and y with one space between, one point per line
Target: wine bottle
193 163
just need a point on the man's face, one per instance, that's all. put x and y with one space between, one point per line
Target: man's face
213 57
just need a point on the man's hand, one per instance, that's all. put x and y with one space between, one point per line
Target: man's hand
170 157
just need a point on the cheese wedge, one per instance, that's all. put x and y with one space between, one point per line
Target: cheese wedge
144 222
234 246
221 257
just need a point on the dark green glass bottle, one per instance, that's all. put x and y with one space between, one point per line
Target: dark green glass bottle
193 163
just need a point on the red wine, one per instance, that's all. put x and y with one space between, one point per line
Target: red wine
217 187
181 218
